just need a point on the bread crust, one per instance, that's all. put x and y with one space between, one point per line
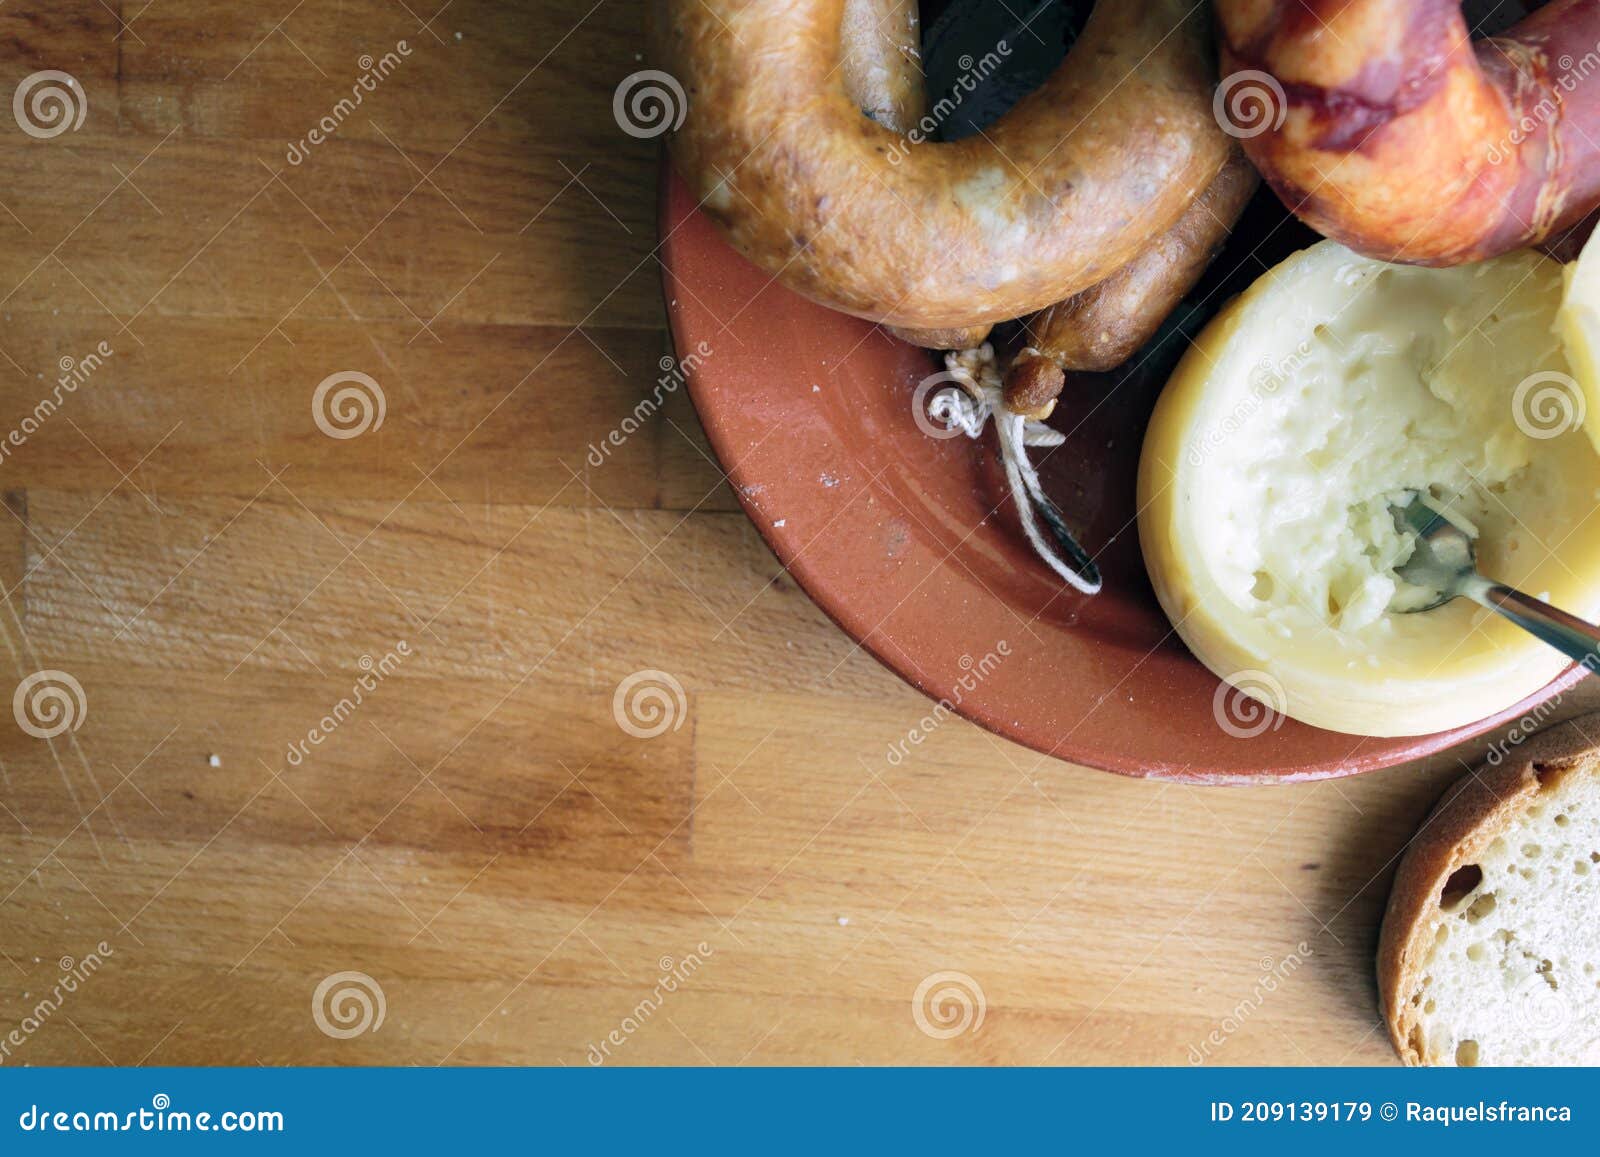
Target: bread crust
1475 811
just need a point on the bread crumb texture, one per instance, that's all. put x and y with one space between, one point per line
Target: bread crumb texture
1513 973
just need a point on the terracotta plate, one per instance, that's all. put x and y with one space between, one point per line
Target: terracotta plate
905 539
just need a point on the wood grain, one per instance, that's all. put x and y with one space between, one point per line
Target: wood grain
514 870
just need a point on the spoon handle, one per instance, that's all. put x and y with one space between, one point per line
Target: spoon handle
1574 637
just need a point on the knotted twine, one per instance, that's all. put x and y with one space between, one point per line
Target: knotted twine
980 399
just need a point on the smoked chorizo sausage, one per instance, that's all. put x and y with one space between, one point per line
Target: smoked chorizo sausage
1383 126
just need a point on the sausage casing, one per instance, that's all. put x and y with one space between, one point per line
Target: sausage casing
1052 198
1383 126
1101 327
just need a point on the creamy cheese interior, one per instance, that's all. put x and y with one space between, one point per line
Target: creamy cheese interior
1405 384
1335 387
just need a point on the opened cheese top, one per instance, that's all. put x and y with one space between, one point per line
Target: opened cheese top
1334 387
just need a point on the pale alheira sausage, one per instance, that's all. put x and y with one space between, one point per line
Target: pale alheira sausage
1051 199
1097 329
882 67
1103 326
1384 127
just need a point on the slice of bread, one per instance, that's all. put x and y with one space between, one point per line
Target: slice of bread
1490 952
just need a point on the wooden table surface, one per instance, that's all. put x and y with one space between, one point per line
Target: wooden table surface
347 702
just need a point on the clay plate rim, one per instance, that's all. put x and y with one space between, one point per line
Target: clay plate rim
823 571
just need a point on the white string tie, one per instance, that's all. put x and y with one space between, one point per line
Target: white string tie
980 398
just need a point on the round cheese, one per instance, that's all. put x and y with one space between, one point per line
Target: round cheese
1333 388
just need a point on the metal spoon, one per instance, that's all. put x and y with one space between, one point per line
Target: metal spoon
1443 561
